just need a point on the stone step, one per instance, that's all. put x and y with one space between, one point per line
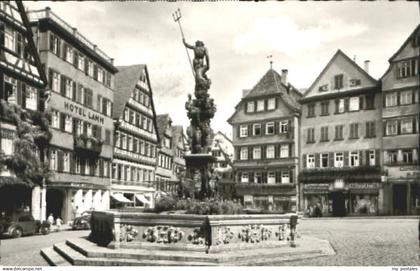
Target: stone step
68 253
53 258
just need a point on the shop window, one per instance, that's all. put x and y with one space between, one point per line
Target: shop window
256 129
284 151
271 104
244 178
257 153
406 126
372 158
391 99
285 177
244 153
324 160
354 159
270 151
310 161
271 177
338 159
260 105
391 127
284 127
250 107
406 97
269 128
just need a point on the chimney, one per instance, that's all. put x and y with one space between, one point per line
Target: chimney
284 76
367 65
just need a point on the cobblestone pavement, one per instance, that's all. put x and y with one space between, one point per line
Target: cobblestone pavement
379 242
356 241
26 250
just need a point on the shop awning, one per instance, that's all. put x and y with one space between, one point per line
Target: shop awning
142 199
120 197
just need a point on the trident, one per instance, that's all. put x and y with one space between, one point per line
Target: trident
177 18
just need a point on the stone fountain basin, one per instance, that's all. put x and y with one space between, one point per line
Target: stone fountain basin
186 232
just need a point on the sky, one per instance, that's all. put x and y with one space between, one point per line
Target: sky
301 37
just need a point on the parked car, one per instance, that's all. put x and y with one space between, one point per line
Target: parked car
82 222
21 223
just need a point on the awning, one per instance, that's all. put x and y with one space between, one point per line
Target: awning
120 197
142 199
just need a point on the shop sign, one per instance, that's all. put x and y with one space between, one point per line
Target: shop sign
81 111
409 168
316 186
363 185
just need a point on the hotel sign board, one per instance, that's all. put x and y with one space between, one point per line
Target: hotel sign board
83 112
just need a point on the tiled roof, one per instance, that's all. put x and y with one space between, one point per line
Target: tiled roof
125 81
162 122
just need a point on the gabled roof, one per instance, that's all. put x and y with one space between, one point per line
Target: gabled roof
416 32
225 155
225 136
339 53
162 123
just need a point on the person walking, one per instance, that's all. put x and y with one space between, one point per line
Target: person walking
51 219
58 223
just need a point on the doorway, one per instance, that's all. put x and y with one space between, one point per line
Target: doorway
338 204
399 193
55 199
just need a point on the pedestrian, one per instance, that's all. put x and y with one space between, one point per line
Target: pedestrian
51 219
58 223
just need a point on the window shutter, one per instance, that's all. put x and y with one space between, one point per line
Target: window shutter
291 176
64 51
60 161
85 128
101 168
398 98
72 158
74 91
362 159
414 125
75 58
276 127
337 105
361 102
384 101
304 161
62 121
290 150
346 159
98 103
23 95
377 157
290 129
63 85
384 128
50 77
86 66
276 151
317 156
239 130
399 127
263 154
346 105
250 153
331 159
250 130
262 129
99 132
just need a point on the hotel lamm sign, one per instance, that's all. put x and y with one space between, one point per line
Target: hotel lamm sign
84 112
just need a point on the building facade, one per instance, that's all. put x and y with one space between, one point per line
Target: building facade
340 141
265 135
135 148
22 83
166 180
179 148
81 81
400 116
222 150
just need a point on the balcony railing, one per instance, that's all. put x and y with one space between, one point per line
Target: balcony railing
87 144
258 188
35 15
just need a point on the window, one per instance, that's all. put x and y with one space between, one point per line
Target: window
392 157
406 126
324 108
354 104
339 132
69 54
250 107
370 129
100 75
370 102
123 141
81 62
260 105
355 82
55 123
6 142
338 81
68 126
311 110
284 150
338 159
354 130
270 151
269 128
407 68
53 160
55 82
323 88
271 177
258 177
407 156
391 127
66 162
324 160
354 159
68 89
271 104
9 38
372 158
310 161
244 153
324 133
90 68
244 178
391 99
88 98
256 153
31 98
406 97
107 137
339 106
257 129
310 135
130 143
284 126
285 178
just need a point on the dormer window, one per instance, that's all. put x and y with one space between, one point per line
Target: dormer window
260 105
323 88
250 107
338 81
271 104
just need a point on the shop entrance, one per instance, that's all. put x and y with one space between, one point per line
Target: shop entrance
338 204
399 199
55 199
